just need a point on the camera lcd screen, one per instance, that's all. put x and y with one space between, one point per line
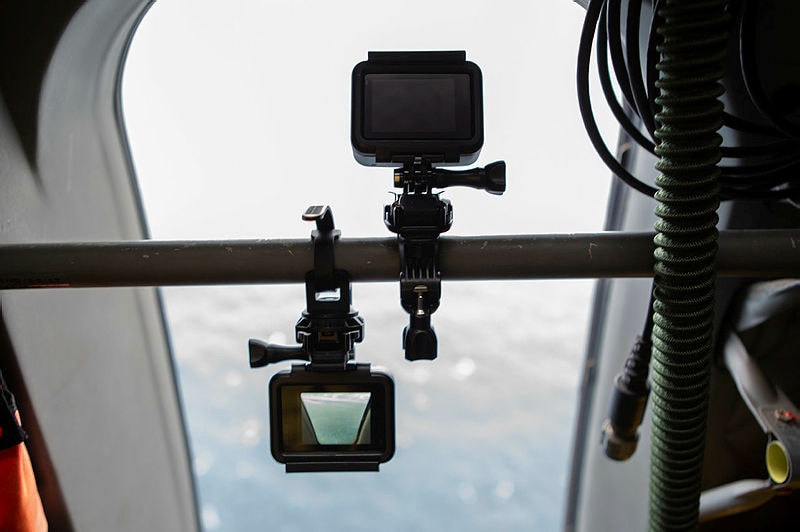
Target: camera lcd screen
332 419
336 418
417 106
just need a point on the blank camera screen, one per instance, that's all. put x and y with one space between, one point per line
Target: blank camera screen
417 106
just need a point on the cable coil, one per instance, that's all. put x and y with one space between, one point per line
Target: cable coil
763 157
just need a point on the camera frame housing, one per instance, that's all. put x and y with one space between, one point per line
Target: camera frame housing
450 134
286 417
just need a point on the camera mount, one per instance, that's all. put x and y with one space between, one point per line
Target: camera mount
412 111
329 328
331 414
419 216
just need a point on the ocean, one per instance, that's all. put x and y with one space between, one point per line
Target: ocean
483 432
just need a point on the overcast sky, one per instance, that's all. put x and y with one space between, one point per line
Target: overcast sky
238 114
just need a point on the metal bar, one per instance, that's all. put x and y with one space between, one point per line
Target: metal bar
767 253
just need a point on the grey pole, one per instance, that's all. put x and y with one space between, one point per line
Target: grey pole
758 254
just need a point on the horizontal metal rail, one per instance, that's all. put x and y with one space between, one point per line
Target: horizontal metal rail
757 254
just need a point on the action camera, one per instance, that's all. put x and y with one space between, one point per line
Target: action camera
417 105
332 421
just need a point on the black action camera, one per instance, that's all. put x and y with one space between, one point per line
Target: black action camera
416 112
332 421
408 105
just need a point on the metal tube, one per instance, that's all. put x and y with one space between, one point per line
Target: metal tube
767 253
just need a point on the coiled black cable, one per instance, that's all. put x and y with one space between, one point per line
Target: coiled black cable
765 162
593 12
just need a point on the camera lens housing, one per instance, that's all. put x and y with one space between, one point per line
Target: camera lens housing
417 105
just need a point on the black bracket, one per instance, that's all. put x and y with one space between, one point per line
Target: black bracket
329 327
419 216
324 237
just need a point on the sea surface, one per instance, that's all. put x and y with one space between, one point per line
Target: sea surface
483 432
238 117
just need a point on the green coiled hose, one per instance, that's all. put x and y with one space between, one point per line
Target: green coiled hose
692 52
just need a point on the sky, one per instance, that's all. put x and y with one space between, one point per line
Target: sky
238 117
233 108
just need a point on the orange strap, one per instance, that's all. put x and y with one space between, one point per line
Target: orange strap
20 506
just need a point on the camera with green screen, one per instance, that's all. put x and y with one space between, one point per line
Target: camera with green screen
331 414
332 421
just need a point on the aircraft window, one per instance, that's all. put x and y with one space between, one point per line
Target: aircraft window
238 119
